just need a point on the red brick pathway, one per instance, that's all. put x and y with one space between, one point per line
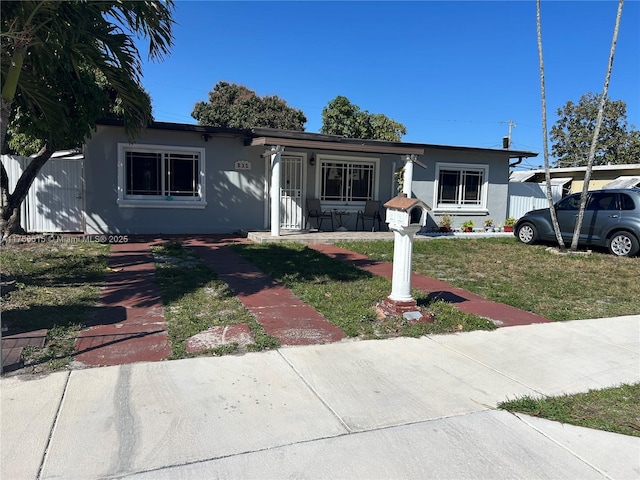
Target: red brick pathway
129 326
503 315
276 308
12 346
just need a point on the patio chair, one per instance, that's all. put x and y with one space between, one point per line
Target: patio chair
371 212
314 210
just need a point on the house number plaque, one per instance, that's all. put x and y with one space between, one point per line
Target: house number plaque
243 165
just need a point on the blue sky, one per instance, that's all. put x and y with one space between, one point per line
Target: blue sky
453 72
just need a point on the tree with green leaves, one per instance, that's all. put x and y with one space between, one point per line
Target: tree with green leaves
617 143
341 117
65 64
235 106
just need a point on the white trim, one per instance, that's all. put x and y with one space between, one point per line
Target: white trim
457 208
152 201
161 203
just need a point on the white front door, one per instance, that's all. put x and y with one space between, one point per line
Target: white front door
291 192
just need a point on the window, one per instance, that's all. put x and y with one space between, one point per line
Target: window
626 202
601 201
346 180
155 173
569 203
461 186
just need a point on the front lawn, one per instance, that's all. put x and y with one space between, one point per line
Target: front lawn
347 296
58 287
615 409
526 276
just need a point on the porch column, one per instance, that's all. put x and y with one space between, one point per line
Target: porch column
408 174
275 153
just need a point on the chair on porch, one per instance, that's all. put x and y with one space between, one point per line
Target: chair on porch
314 210
371 212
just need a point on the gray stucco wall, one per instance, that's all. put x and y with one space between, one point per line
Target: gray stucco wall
235 199
498 179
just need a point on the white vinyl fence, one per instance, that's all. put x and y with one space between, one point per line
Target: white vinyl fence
54 203
525 196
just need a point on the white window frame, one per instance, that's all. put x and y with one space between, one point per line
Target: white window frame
461 207
159 201
349 160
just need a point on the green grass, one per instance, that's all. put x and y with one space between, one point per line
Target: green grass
346 295
611 409
524 276
195 300
58 287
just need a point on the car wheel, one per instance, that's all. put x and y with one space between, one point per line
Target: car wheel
527 233
623 244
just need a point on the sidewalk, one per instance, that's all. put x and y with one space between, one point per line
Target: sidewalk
401 408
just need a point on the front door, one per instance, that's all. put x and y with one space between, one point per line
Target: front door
291 192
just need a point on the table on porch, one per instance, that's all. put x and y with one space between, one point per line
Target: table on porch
341 216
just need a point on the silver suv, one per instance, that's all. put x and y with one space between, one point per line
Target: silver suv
611 220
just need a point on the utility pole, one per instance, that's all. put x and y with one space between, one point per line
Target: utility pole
506 141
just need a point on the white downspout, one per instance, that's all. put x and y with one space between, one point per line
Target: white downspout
275 153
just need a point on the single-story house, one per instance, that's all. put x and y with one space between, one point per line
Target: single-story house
527 189
184 178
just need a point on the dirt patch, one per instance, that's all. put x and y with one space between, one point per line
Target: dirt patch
218 336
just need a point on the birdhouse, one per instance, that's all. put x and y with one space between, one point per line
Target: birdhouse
406 212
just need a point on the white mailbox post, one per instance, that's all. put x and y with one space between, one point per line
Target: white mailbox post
405 217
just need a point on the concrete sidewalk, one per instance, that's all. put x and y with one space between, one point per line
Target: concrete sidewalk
401 408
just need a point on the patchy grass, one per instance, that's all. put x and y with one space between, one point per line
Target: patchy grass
346 295
195 300
524 276
58 286
611 409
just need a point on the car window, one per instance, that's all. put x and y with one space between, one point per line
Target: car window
602 201
571 202
626 202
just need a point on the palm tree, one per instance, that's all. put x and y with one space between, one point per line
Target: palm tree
46 44
545 145
596 132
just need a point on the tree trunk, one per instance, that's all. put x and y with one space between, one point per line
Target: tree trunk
596 132
11 202
545 135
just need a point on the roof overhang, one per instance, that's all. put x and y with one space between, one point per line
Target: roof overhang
339 145
623 181
559 180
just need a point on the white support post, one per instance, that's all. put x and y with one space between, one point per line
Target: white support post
408 174
402 256
275 153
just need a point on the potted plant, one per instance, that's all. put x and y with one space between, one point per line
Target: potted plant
467 226
445 223
488 225
509 223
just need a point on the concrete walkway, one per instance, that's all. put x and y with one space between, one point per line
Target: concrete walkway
403 408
